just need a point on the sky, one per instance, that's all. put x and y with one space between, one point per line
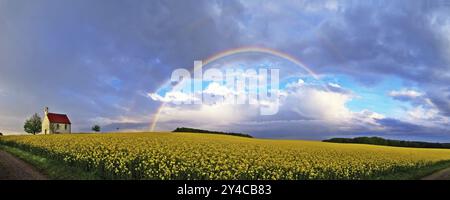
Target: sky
384 66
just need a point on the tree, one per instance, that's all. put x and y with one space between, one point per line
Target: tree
96 128
33 125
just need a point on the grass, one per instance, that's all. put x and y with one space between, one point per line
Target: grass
417 174
53 169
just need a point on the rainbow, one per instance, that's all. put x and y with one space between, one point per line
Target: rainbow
241 50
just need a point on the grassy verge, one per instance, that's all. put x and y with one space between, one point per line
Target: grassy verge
53 169
419 173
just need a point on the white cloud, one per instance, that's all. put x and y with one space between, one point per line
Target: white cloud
305 109
426 115
299 83
210 116
405 93
173 97
421 113
369 118
318 104
219 90
300 103
335 85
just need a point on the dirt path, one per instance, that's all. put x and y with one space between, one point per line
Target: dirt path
12 168
440 175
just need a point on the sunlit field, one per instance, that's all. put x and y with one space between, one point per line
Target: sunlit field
204 156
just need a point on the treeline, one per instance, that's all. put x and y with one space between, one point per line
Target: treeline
387 142
193 130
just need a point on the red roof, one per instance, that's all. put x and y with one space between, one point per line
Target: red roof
58 118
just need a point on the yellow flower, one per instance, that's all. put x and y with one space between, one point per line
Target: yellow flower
202 156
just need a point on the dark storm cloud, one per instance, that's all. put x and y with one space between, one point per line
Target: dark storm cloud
392 39
125 127
96 58
315 130
368 40
442 102
397 129
396 126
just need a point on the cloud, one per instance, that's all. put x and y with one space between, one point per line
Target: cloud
109 64
217 89
367 39
121 123
96 64
338 89
125 127
423 111
203 116
440 97
369 118
314 103
173 97
305 104
405 94
415 97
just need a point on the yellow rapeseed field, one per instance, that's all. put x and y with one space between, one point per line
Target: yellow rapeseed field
203 156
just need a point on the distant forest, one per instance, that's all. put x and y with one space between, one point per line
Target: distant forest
387 142
193 130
